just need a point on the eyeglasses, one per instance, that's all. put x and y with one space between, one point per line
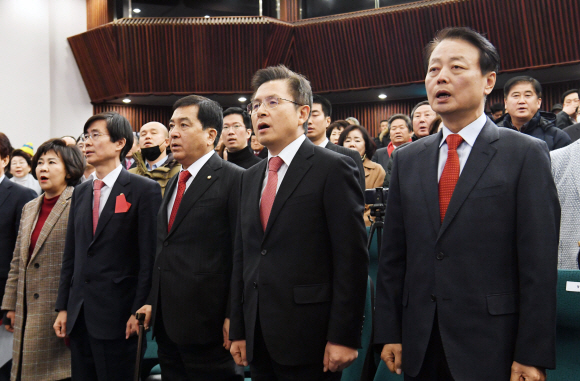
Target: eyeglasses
234 127
93 136
269 103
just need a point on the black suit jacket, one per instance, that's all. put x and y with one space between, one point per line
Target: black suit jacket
353 155
307 273
109 275
382 157
13 197
193 264
489 270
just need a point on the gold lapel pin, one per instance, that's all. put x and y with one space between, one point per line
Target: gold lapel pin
209 177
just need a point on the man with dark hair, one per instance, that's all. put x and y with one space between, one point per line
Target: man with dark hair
383 139
401 130
523 98
497 112
152 160
298 287
569 114
188 307
317 125
422 117
237 131
466 288
108 256
129 160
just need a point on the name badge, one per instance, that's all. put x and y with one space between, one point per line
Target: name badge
573 286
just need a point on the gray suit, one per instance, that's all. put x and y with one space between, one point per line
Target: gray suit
566 172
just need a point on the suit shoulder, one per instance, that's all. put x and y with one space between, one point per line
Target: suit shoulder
22 193
142 181
232 168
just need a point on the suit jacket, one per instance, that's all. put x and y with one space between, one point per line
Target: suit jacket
573 131
31 291
489 270
109 274
382 157
306 280
353 155
193 264
566 172
12 199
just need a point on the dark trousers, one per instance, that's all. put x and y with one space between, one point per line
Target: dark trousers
100 360
193 362
264 368
435 367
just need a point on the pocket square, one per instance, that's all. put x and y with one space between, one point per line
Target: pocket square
121 205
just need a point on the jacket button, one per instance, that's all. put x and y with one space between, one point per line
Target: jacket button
440 256
165 243
36 265
433 298
264 252
36 296
255 285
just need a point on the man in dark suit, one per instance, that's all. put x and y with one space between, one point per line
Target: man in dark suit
317 125
189 299
108 256
466 288
298 286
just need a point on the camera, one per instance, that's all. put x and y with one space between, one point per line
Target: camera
376 196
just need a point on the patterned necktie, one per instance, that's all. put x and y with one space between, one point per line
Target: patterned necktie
450 173
270 191
183 177
97 185
128 163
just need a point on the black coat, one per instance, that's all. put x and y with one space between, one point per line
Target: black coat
244 158
109 275
193 264
353 155
307 273
563 120
541 126
489 270
573 131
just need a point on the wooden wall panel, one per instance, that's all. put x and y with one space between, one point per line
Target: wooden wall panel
137 115
290 10
99 12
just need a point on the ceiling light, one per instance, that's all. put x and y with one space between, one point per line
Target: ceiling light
383 96
136 10
206 16
242 99
126 100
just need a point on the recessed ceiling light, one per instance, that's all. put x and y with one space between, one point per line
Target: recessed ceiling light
126 100
383 96
206 16
242 99
136 10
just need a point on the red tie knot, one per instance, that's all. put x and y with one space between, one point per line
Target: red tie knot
184 176
274 164
453 141
98 184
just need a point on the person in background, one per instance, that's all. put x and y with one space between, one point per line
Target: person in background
557 108
384 137
220 148
69 140
256 147
422 117
129 160
32 284
20 169
236 133
335 129
353 121
569 114
401 130
89 169
357 138
152 159
573 131
497 111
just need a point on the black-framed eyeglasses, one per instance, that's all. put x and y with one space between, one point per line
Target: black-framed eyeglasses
269 103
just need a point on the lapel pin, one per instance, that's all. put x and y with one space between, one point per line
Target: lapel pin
209 177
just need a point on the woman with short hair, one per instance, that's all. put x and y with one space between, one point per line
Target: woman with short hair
20 169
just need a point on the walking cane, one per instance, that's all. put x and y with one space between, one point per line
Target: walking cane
140 319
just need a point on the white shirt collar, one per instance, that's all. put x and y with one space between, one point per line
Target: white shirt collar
110 179
324 143
196 166
288 153
2 178
469 133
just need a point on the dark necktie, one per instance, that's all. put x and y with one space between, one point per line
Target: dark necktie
450 173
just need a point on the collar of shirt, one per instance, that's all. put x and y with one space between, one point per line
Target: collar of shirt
196 166
2 178
110 179
469 133
288 153
324 143
156 165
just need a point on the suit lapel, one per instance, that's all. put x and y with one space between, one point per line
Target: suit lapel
255 180
85 209
166 197
429 182
296 171
52 219
6 184
120 186
480 156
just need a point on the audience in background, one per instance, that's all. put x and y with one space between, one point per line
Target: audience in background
523 98
20 169
401 130
384 136
89 169
69 140
256 147
236 132
573 131
129 160
335 129
152 160
497 111
352 120
220 148
557 108
422 117
32 284
569 114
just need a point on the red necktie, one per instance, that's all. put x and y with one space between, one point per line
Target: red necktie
450 173
128 163
183 177
270 191
97 185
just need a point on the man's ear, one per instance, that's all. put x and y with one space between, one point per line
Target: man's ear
212 134
304 114
119 144
490 79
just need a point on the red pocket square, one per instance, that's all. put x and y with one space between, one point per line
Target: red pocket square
121 206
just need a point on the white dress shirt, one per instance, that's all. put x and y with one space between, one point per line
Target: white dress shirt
324 143
469 134
156 165
287 154
193 169
109 181
2 178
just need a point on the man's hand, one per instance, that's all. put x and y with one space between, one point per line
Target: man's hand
522 372
338 357
10 315
226 332
146 309
238 351
60 325
570 108
392 355
132 327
